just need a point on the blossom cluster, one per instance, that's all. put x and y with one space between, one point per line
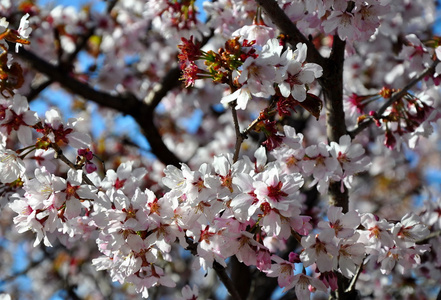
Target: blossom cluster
248 208
350 20
337 162
262 70
259 75
347 241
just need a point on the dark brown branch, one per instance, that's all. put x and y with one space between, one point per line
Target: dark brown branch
35 91
170 81
335 116
64 63
128 104
226 280
220 271
117 102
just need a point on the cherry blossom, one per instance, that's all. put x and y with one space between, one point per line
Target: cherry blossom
12 166
320 249
19 118
227 171
298 74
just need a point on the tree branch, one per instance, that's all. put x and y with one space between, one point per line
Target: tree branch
395 97
59 155
127 104
239 136
170 81
220 271
65 63
226 280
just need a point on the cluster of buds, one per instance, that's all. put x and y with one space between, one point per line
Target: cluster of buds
84 158
220 65
182 13
404 115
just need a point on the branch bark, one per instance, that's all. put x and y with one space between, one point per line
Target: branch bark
335 117
125 104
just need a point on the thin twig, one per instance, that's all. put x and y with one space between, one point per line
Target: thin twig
14 276
430 236
395 97
59 155
354 279
239 137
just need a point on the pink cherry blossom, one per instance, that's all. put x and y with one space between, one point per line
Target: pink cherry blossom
321 250
19 118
